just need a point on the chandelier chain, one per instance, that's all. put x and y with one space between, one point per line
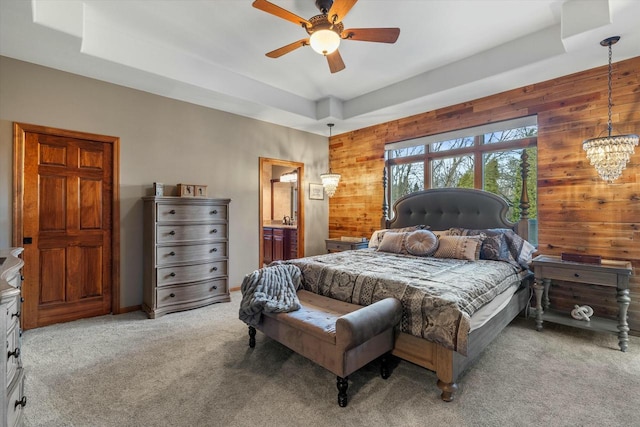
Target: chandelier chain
610 102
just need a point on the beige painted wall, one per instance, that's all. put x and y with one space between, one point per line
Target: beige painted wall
160 140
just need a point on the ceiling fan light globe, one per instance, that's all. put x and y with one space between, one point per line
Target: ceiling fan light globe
325 42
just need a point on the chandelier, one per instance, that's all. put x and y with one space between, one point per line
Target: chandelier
330 180
610 154
289 176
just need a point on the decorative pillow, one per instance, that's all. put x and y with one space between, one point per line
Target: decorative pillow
494 246
393 242
421 243
459 247
376 237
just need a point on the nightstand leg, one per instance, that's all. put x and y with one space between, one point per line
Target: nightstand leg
623 326
545 297
538 288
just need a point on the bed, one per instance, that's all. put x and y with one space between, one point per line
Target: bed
365 276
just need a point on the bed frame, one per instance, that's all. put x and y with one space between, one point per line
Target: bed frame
442 209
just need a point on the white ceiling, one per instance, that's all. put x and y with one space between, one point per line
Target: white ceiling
212 53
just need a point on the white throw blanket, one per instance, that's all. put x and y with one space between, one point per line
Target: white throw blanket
270 289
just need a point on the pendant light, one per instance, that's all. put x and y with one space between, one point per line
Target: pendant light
330 180
610 154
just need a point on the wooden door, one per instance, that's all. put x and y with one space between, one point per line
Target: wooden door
67 225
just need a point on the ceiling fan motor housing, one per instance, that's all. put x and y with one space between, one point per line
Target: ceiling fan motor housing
321 22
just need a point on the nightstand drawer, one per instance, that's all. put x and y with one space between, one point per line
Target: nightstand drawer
341 245
580 275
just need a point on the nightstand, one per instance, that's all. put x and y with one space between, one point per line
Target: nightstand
613 274
341 245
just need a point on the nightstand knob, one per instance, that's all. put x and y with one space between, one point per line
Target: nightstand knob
15 353
172 295
576 274
173 233
172 274
172 211
214 269
213 288
214 212
215 230
22 402
214 250
172 253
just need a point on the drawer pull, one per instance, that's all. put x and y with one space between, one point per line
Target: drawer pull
214 250
213 288
576 274
172 211
214 269
17 314
21 299
172 253
22 402
172 274
15 353
215 230
214 212
22 278
173 233
172 295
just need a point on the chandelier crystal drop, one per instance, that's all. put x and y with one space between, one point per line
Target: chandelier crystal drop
610 154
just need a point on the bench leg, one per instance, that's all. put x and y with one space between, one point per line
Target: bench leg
384 366
252 336
342 384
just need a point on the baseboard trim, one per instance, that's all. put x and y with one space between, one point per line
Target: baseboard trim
130 309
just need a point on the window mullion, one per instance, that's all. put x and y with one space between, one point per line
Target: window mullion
477 161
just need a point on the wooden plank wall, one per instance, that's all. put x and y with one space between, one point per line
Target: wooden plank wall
577 211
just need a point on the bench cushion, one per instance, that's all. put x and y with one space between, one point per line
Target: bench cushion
317 315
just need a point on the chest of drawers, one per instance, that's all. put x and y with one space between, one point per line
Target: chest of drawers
12 398
185 253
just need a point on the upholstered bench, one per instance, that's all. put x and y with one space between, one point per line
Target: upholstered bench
339 336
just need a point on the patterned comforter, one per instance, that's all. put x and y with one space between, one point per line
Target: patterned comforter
438 296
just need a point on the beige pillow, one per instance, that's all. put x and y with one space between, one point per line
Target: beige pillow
393 242
459 247
376 237
421 243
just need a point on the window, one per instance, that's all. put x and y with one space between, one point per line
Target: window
486 157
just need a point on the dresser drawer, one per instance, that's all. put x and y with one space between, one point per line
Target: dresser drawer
179 212
581 275
186 253
12 312
182 233
192 292
190 273
15 394
13 348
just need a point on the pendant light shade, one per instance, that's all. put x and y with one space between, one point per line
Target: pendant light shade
610 154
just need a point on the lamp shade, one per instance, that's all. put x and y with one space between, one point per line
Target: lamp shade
325 42
330 182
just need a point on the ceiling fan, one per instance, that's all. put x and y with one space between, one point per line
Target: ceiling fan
326 30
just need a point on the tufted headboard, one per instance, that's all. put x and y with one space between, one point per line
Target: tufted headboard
443 208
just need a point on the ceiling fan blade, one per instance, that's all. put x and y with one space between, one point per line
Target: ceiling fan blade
380 35
335 62
339 10
288 48
271 8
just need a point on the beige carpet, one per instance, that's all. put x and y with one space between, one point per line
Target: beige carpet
195 369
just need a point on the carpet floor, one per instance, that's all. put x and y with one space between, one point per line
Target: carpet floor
195 368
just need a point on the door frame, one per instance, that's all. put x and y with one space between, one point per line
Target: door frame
268 162
19 139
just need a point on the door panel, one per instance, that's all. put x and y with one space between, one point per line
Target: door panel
68 204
